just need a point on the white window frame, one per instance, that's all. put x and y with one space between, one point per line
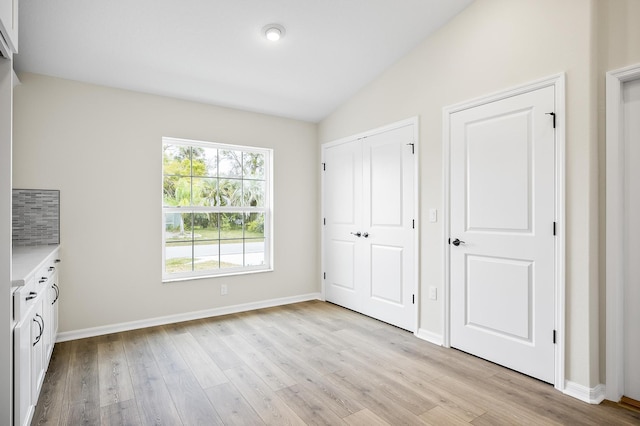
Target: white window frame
267 210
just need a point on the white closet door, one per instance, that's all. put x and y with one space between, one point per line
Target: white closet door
389 252
343 218
369 235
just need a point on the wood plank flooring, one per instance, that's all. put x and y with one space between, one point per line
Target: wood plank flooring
310 363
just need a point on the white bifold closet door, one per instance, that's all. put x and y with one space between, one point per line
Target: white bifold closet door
369 225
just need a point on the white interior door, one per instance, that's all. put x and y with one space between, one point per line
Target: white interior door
369 235
631 110
343 219
502 252
388 228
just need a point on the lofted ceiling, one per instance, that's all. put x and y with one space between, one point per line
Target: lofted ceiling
213 51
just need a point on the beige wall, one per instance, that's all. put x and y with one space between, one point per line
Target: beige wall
618 47
491 46
102 148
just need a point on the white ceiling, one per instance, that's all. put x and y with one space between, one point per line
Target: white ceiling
212 51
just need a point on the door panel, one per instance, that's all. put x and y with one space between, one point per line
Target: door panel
388 187
503 209
343 215
386 267
499 198
490 279
370 189
386 195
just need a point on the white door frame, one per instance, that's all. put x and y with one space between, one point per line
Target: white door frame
413 121
615 230
558 82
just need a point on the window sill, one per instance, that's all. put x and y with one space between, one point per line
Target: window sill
229 274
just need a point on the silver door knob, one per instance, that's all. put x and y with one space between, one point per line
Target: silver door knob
366 235
357 234
457 242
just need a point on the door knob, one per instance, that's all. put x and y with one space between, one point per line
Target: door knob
357 234
457 242
366 235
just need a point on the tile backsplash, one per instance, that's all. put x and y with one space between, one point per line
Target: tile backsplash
36 217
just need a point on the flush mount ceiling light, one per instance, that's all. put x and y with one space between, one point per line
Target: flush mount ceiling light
273 32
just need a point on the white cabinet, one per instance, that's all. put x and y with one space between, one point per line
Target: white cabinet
36 315
22 346
8 27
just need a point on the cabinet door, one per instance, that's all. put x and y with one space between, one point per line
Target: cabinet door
50 317
9 23
38 327
23 408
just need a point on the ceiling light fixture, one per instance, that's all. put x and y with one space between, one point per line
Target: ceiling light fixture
273 32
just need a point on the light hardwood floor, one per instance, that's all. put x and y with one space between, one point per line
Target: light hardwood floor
308 363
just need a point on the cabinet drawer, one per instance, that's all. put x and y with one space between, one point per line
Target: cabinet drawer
46 272
25 297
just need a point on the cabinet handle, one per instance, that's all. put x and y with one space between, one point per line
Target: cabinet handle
57 289
40 328
32 295
52 268
43 280
57 261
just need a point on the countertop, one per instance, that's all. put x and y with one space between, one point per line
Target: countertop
25 260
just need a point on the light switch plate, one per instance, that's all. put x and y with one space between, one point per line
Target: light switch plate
433 293
224 290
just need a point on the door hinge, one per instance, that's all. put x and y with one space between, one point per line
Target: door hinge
413 299
324 220
554 229
324 276
413 147
554 337
552 114
324 166
413 224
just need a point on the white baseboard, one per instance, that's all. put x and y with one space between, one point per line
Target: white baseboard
591 395
188 316
429 336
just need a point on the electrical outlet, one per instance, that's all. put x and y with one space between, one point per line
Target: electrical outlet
433 293
223 290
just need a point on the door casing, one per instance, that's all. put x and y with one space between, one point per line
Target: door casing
558 82
615 142
413 121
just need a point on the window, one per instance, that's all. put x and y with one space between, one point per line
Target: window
216 209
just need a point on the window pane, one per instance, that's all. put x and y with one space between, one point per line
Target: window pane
231 253
176 160
205 161
254 225
206 255
253 165
229 163
231 226
230 192
253 193
176 191
205 192
177 227
178 257
205 226
254 252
